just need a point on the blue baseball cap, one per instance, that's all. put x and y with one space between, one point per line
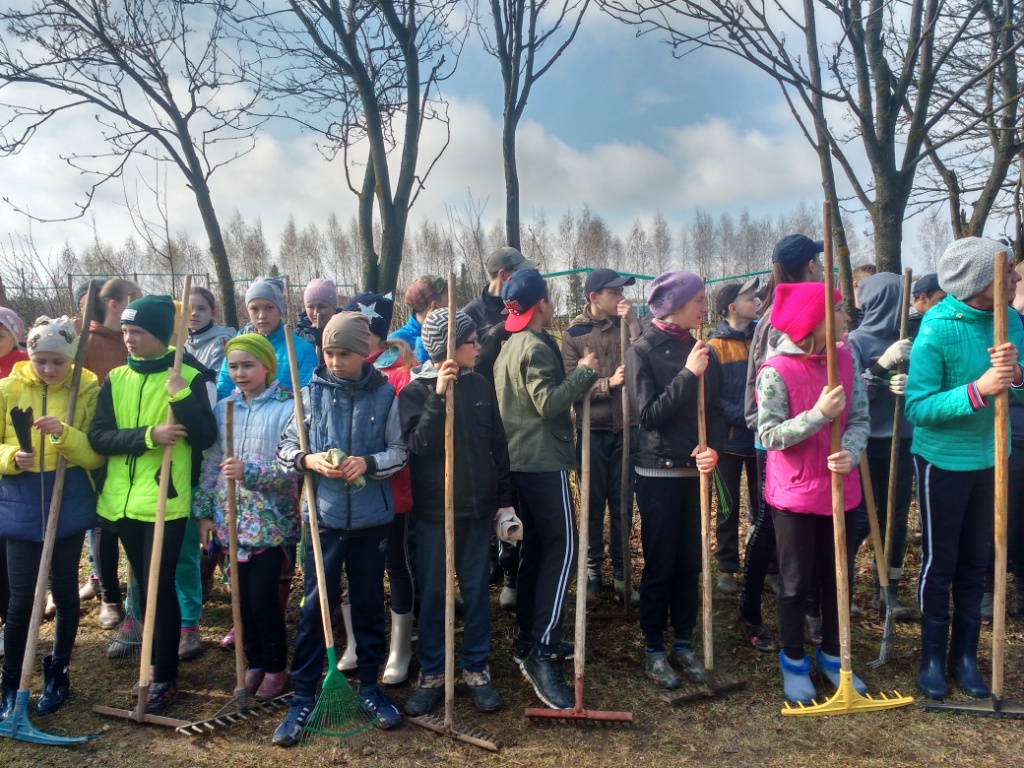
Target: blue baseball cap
604 278
794 251
926 284
520 294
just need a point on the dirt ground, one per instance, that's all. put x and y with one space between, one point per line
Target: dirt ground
740 729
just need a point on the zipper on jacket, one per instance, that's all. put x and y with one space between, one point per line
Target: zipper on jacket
131 460
42 470
351 426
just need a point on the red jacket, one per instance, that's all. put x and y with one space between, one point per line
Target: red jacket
16 355
401 481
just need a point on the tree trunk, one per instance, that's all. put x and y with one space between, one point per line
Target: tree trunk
365 219
888 226
508 151
217 250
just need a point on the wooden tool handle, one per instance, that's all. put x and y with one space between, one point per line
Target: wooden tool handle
705 529
236 589
449 518
1002 476
897 417
625 498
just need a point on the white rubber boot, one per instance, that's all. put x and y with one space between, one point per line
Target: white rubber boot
347 662
397 669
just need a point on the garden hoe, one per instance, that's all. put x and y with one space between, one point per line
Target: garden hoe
846 700
578 712
17 725
883 572
714 682
242 705
995 705
445 725
139 714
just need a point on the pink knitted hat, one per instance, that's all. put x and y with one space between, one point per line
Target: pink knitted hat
798 308
323 290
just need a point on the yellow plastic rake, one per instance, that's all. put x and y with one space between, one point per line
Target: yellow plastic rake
846 700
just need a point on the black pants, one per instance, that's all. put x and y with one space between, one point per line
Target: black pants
670 534
727 529
23 564
879 453
760 551
5 586
263 629
956 533
605 491
137 538
398 566
106 554
547 555
807 560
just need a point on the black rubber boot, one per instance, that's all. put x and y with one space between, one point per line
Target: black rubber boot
56 685
963 657
931 680
8 692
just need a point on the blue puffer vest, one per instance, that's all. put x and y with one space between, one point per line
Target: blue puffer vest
351 415
23 517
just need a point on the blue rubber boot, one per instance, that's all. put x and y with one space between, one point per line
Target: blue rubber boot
963 657
796 680
931 679
828 667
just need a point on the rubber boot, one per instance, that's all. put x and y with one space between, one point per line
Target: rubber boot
8 692
56 685
828 667
796 679
931 680
396 671
963 656
348 662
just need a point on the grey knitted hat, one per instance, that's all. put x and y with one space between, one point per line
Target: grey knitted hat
966 267
435 332
269 288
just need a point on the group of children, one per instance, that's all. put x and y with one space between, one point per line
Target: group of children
374 413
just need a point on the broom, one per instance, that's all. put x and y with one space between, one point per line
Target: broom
339 712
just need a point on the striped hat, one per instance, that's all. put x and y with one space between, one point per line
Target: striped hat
435 332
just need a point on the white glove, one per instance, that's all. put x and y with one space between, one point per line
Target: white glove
898 384
898 352
507 527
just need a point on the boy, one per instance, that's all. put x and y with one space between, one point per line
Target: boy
534 397
739 307
597 329
349 404
130 422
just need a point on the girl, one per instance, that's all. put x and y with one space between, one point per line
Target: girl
423 294
206 339
267 505
662 369
12 329
793 413
42 384
954 371
319 298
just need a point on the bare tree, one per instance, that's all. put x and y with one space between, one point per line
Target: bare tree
160 76
522 29
367 76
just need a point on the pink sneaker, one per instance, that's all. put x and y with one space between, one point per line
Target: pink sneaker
274 685
228 643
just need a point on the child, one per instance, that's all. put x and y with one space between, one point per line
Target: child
954 370
42 385
267 505
264 301
794 411
206 339
319 298
423 294
482 490
662 370
535 397
739 307
395 360
12 329
130 425
348 405
597 329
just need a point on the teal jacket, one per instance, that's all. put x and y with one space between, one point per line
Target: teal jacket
950 353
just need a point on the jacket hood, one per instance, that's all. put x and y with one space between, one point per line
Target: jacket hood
425 371
726 331
274 391
879 297
212 332
25 374
783 345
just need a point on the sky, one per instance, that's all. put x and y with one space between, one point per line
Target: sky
617 124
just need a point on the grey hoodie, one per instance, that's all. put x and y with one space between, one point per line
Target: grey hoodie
207 346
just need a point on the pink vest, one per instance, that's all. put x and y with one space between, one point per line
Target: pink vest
797 478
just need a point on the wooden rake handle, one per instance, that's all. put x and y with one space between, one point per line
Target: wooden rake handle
449 524
1000 335
894 460
236 589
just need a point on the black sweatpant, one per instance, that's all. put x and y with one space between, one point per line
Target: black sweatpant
137 538
263 631
760 550
5 587
547 555
23 568
106 555
398 566
957 511
670 534
727 529
807 560
605 492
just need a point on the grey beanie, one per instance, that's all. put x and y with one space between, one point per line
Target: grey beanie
435 332
269 288
967 266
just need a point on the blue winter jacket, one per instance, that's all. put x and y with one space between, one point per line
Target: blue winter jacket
305 356
733 350
411 333
362 419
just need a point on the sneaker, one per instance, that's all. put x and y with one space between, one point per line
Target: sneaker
190 644
427 697
757 636
253 680
987 604
274 685
483 693
507 599
548 680
289 732
90 590
593 589
566 651
812 629
379 706
111 615
161 696
51 607
128 640
619 585
727 584
660 671
228 641
685 660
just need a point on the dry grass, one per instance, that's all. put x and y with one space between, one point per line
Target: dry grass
742 729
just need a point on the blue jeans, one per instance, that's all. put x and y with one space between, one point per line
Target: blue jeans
472 564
